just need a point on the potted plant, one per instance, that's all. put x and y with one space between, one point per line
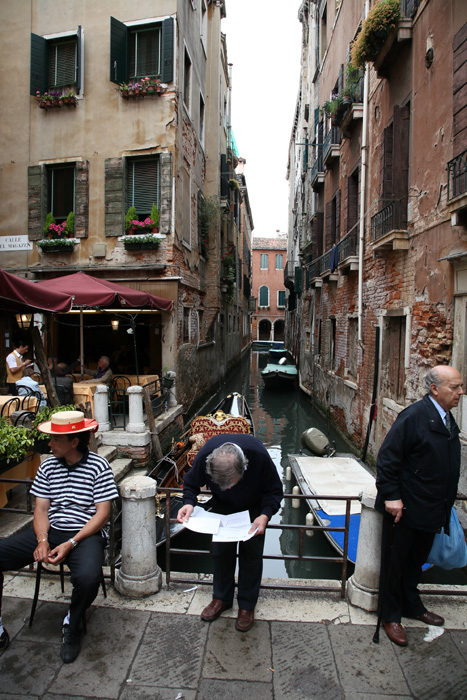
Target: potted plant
145 242
381 20
56 245
131 215
155 218
15 442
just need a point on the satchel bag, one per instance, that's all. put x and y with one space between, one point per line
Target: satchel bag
449 551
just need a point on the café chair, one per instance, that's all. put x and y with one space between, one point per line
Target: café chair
60 571
10 406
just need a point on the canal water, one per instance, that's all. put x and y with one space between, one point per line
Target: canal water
280 418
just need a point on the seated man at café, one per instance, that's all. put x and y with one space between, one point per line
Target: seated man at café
26 382
103 373
74 488
15 364
63 384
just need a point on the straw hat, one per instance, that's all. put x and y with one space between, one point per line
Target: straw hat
68 422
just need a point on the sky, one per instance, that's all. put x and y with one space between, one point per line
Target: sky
264 46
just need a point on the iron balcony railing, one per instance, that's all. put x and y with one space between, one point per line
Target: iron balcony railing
325 262
317 166
457 175
386 220
333 138
409 7
347 246
313 270
289 271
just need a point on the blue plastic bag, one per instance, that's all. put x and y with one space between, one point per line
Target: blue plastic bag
449 551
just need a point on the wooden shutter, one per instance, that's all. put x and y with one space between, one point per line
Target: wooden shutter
143 184
81 198
401 160
37 201
224 176
39 61
329 225
119 43
79 50
167 50
114 215
459 89
386 192
337 234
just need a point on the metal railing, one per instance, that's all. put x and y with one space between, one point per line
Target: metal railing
317 166
386 220
347 246
289 271
457 175
302 529
333 138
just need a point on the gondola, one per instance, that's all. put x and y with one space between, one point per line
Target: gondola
231 415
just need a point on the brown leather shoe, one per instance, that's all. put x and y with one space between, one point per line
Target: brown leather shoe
245 620
431 618
213 610
396 633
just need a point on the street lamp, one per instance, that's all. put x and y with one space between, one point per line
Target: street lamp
24 320
114 323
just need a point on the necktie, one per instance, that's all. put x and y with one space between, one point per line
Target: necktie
447 420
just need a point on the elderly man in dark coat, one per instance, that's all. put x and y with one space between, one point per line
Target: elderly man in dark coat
242 476
417 475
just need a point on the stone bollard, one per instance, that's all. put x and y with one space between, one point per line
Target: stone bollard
363 585
136 417
139 575
101 407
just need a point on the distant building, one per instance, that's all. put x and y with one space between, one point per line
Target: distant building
269 262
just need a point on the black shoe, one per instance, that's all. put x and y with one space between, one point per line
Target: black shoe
4 640
71 645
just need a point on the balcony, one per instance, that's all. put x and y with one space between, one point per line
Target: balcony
317 170
331 146
354 110
457 189
386 228
390 51
289 275
347 253
328 266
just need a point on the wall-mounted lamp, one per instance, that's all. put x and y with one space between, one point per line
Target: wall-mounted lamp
24 320
115 323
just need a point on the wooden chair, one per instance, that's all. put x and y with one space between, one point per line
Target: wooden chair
62 573
10 406
118 399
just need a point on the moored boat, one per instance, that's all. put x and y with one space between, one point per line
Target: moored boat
277 354
231 415
280 376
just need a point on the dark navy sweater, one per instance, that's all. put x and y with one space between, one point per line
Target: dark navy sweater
259 490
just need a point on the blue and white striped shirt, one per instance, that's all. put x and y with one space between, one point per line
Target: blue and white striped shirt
73 493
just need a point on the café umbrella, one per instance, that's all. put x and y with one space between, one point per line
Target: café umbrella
90 292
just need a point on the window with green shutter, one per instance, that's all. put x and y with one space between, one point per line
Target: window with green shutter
143 184
140 51
60 191
62 63
264 261
281 298
264 296
56 64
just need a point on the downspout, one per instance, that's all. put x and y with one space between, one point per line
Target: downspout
361 232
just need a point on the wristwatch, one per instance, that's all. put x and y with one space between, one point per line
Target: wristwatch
74 543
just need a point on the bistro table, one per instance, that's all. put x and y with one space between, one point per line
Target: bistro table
29 405
27 469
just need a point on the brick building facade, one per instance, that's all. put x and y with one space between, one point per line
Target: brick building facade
378 210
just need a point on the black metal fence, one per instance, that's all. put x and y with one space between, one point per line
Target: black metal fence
387 219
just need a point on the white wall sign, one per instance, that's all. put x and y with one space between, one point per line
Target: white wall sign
15 243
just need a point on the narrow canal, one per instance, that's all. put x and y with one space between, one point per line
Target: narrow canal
280 418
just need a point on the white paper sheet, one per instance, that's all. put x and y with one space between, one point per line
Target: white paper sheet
224 528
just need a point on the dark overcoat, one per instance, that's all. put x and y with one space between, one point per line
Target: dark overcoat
419 462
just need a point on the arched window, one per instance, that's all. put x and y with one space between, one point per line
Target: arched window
263 296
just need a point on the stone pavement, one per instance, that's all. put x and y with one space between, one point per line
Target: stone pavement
303 645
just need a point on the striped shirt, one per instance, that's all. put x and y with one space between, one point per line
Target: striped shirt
74 492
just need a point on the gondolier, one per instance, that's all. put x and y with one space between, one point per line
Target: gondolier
73 489
239 472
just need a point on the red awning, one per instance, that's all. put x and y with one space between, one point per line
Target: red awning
17 292
91 291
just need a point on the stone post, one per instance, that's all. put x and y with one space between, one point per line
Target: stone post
101 407
136 419
363 585
139 575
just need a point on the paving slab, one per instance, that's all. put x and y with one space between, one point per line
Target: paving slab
235 655
234 690
170 652
106 654
303 662
137 692
364 666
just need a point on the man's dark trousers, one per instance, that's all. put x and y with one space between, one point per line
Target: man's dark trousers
84 562
250 569
404 558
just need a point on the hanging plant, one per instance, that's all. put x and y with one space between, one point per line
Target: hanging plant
381 20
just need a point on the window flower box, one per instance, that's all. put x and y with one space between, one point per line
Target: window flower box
56 100
137 90
147 241
57 245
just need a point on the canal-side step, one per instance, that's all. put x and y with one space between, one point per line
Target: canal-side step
120 467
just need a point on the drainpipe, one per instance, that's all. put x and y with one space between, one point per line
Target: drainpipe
361 232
